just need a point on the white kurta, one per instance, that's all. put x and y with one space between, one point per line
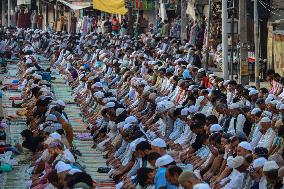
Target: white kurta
236 180
255 136
186 137
266 140
239 125
178 129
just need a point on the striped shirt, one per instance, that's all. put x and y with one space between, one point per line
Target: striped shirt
276 88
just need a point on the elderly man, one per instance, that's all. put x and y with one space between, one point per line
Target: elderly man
256 173
236 179
267 132
237 121
188 180
270 171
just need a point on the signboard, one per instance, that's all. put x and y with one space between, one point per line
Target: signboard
270 47
278 52
21 2
143 4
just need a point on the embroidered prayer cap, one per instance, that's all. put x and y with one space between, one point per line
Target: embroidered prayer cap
255 111
189 66
51 117
184 112
212 75
49 129
164 160
179 60
246 145
270 165
112 91
191 87
101 52
67 52
120 125
158 142
135 143
131 120
225 83
163 106
266 114
192 109
126 126
140 82
234 106
37 76
199 99
61 103
259 162
61 167
235 162
215 128
97 85
278 106
55 136
265 120
152 62
271 96
109 105
253 92
69 57
43 89
118 111
201 70
29 61
108 99
30 70
99 94
268 99
273 102
201 186
56 144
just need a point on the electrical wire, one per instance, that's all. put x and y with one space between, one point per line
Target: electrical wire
271 6
269 9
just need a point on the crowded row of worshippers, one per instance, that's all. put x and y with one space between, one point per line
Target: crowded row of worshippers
159 119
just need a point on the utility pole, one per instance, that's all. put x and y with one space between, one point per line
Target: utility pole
137 19
208 35
3 13
256 45
130 17
233 40
9 13
156 9
183 19
244 75
225 40
56 15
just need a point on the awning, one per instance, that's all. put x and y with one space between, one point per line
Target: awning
75 7
280 32
110 6
21 2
